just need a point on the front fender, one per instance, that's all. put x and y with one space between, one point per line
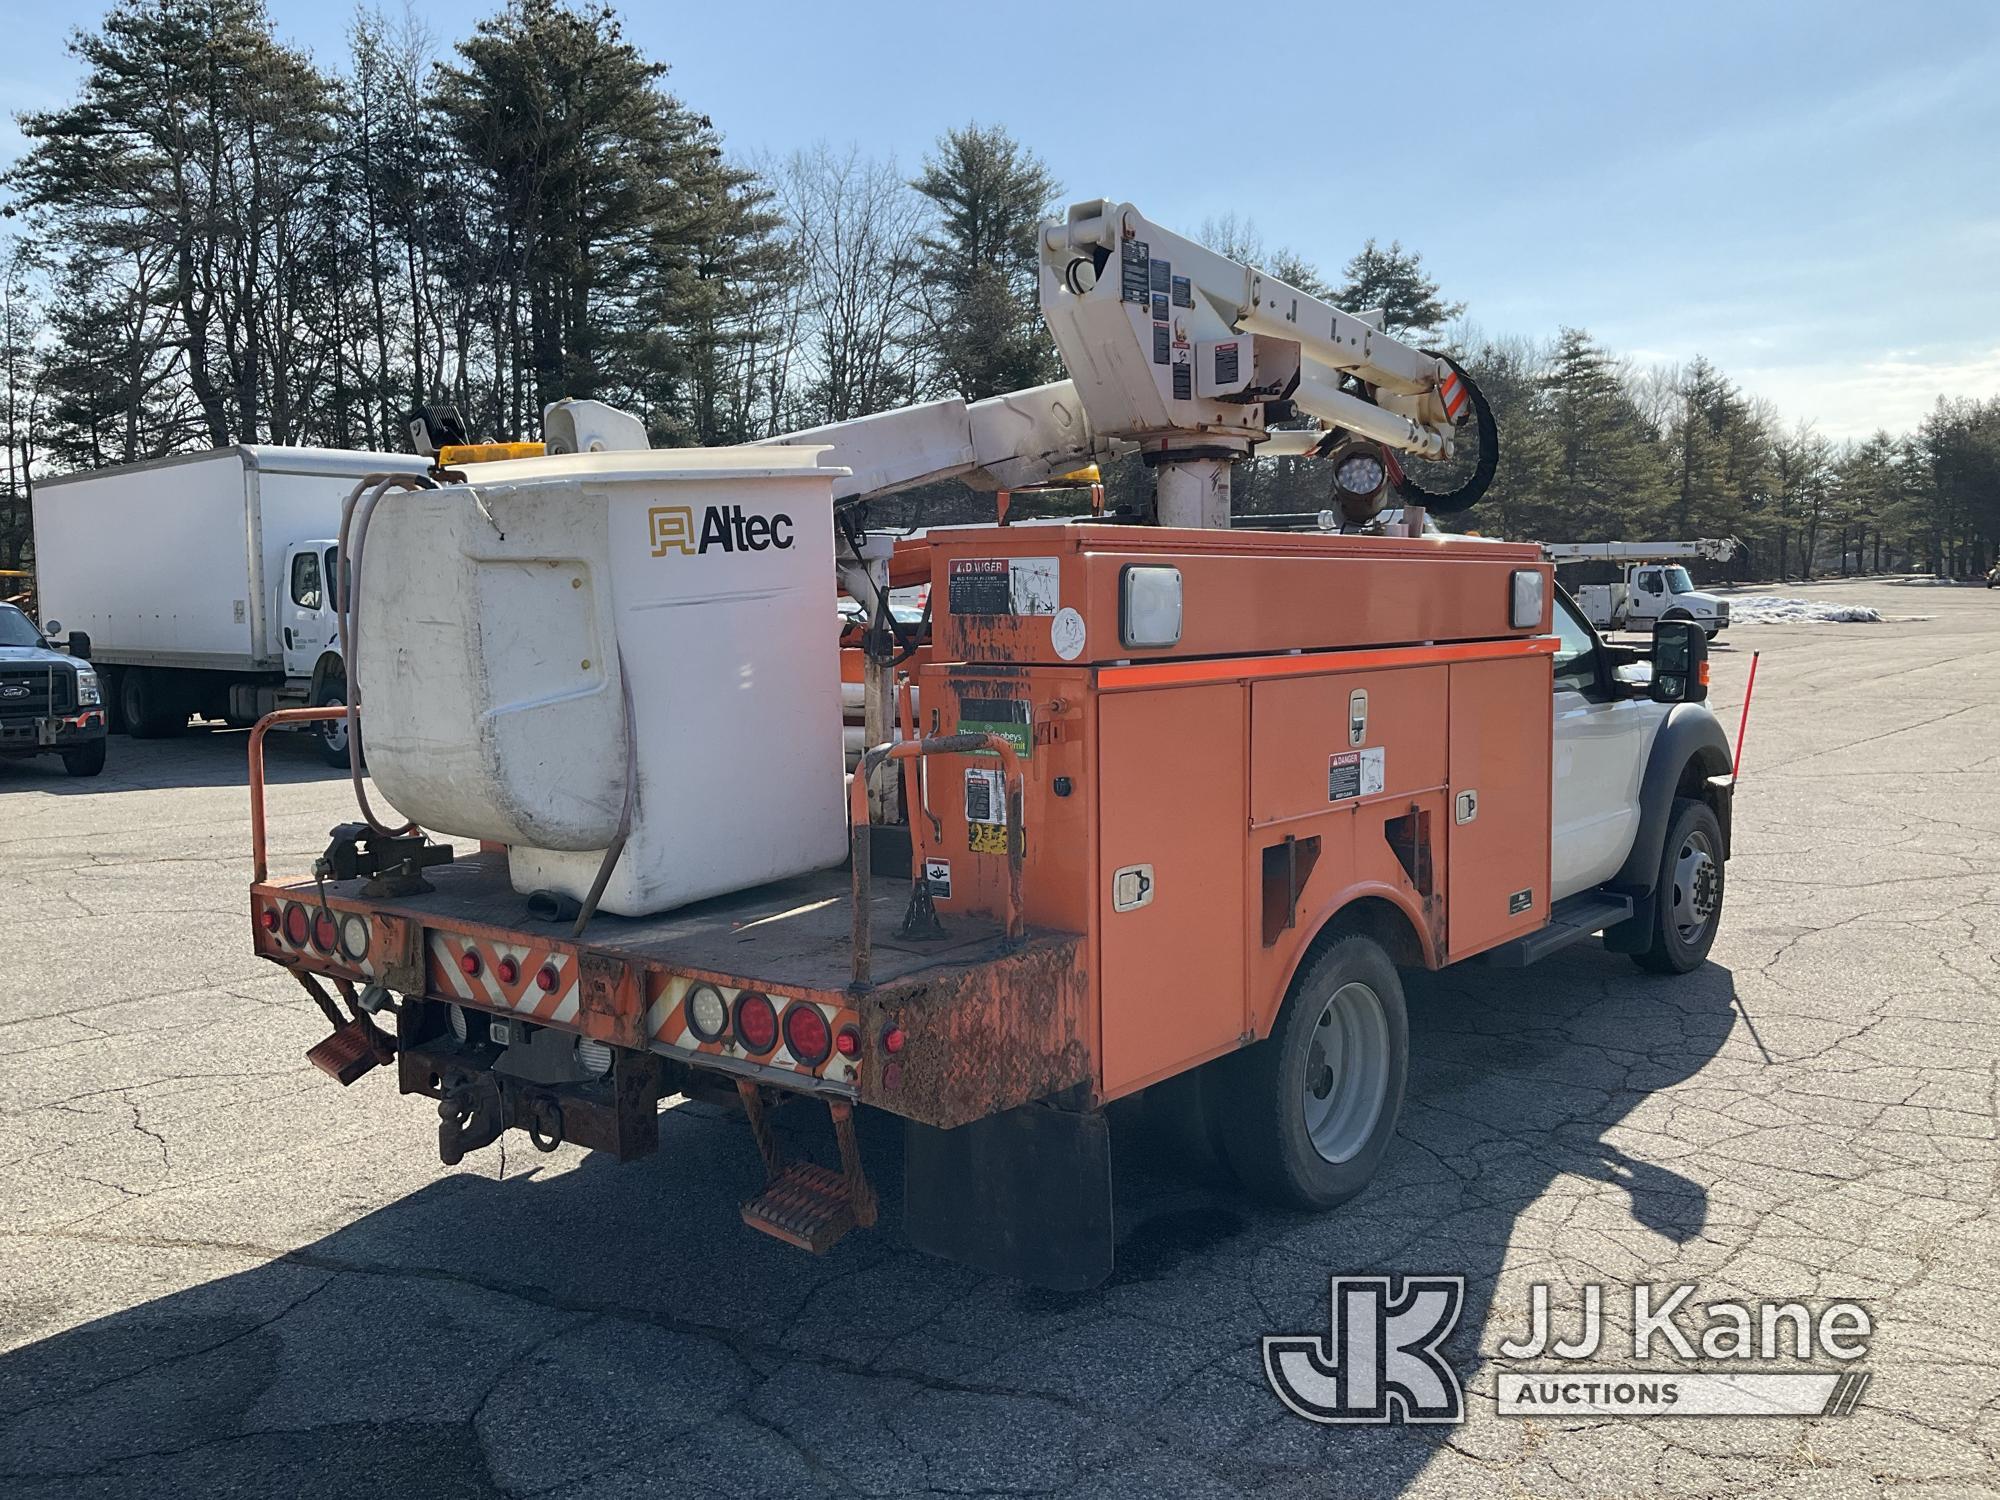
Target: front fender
1690 735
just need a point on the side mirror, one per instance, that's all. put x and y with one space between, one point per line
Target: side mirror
1680 662
79 644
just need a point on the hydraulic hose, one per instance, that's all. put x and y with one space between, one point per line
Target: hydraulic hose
355 513
1467 495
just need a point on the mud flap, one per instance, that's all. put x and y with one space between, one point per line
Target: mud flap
1025 1193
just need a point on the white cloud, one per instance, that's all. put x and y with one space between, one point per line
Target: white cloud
1894 391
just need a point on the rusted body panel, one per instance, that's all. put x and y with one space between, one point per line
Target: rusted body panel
982 1038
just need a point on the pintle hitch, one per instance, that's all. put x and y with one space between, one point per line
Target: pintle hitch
394 862
803 1203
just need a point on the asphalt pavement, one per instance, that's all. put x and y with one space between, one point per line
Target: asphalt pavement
222 1274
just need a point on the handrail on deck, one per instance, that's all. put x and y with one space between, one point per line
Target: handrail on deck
858 828
259 865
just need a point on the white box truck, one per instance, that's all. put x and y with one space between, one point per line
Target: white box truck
203 581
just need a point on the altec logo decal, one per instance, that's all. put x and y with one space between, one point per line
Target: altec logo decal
723 528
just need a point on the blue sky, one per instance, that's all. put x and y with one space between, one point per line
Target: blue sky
1806 193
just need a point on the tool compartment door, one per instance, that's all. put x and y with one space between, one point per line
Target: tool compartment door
1172 815
1497 821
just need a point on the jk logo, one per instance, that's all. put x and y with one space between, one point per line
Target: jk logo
1380 1362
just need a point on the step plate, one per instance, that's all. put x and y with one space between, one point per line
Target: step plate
806 1205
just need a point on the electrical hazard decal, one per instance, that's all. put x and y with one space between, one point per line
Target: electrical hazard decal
1354 773
937 875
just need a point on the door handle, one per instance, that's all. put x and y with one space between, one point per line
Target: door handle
288 637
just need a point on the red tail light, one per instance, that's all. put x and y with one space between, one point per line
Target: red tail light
807 1034
547 978
468 962
268 919
298 926
508 970
756 1022
892 1039
326 932
848 1042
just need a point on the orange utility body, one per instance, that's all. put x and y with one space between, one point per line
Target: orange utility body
1190 817
1213 765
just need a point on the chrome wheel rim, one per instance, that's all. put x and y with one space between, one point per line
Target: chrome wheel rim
334 731
1697 886
1347 1072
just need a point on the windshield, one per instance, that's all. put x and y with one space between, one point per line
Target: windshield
1678 581
16 629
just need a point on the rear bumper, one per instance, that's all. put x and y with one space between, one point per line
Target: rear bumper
34 736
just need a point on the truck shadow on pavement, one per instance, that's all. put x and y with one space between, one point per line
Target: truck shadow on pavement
578 1328
207 755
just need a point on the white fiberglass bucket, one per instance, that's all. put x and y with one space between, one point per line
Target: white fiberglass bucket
492 618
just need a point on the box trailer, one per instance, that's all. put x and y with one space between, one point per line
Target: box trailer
203 580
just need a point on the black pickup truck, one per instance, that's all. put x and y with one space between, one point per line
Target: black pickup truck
50 703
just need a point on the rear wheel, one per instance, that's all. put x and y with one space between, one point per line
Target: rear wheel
1687 900
1309 1112
150 704
84 760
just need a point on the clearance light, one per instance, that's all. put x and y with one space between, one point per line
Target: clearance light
326 931
707 1016
468 963
546 979
892 1039
268 919
508 970
298 926
756 1022
806 1033
848 1042
354 936
1149 606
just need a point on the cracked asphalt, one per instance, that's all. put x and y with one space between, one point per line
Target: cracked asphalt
224 1275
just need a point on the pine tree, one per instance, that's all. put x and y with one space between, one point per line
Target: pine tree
1395 281
983 329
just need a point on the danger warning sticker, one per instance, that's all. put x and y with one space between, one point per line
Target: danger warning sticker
1003 585
1354 773
937 875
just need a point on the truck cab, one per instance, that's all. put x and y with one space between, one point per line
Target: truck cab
307 608
1651 592
50 702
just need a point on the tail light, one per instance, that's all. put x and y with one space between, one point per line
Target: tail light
807 1034
546 979
756 1022
848 1041
325 932
268 919
508 970
892 1039
298 926
468 962
354 936
707 1015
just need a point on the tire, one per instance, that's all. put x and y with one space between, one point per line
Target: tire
330 736
84 760
1687 904
1305 1128
149 705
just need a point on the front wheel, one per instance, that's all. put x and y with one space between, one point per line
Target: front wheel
1310 1111
330 735
1687 899
84 760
